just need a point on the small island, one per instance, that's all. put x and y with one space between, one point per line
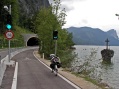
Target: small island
107 53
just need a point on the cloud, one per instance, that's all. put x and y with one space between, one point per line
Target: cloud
69 4
71 0
66 4
67 8
50 1
84 21
92 13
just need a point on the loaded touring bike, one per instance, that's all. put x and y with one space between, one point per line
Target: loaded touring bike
55 64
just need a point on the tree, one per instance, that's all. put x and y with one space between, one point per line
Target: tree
60 14
3 13
44 27
15 12
47 20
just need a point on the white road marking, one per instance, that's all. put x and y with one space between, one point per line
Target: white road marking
74 85
27 58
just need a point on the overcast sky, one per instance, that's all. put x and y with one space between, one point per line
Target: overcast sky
92 13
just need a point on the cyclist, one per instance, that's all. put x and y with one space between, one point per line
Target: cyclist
55 61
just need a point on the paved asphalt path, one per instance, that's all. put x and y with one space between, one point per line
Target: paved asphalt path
4 52
34 75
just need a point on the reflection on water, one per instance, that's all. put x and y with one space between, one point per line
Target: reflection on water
109 72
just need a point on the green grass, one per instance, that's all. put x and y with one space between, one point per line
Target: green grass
21 30
102 86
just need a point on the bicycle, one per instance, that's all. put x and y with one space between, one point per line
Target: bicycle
54 68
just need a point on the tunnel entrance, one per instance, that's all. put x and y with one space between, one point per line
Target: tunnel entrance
34 41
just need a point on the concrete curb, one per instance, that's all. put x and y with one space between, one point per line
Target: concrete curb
4 61
78 81
14 83
60 75
2 70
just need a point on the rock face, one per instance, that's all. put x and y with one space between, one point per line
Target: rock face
113 33
29 7
107 54
92 36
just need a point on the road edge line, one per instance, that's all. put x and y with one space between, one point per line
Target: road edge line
14 83
67 80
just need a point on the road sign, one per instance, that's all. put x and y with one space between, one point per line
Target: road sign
9 34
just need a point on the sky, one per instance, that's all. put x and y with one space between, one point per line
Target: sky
92 13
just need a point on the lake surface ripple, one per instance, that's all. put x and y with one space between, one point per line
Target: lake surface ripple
110 72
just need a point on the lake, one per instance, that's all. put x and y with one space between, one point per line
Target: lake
110 72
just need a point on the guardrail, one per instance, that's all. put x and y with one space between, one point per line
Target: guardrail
4 62
2 69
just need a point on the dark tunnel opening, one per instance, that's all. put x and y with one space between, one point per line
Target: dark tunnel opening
33 41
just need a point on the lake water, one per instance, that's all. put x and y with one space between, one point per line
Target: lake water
110 72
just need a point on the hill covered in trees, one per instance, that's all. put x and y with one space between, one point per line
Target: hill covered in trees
22 12
41 18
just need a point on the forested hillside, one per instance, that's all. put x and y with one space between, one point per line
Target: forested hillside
39 17
22 12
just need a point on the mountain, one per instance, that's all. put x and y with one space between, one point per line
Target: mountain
22 11
30 7
93 36
113 33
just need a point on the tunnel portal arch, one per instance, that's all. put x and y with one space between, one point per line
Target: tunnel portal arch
33 41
